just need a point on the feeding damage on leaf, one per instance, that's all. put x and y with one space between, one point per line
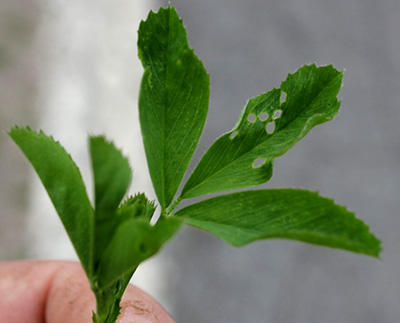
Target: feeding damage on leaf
116 234
266 129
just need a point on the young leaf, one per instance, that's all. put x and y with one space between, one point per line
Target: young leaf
137 206
112 175
266 129
64 184
243 217
134 241
173 100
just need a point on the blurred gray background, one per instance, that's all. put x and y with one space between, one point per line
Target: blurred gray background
70 67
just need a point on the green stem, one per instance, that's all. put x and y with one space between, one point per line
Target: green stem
107 307
171 208
108 300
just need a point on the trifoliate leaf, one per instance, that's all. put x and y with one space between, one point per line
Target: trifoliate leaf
243 217
173 100
266 129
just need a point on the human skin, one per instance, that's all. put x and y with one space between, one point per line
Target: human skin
58 291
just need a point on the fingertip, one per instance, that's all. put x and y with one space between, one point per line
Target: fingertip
139 307
23 290
70 299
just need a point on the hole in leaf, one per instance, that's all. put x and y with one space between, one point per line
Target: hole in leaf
258 162
233 135
263 116
270 127
277 114
283 96
251 118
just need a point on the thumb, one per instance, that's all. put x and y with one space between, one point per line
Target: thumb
58 291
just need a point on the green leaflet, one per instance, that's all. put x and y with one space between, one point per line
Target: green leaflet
134 241
266 129
64 184
243 217
173 100
112 175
